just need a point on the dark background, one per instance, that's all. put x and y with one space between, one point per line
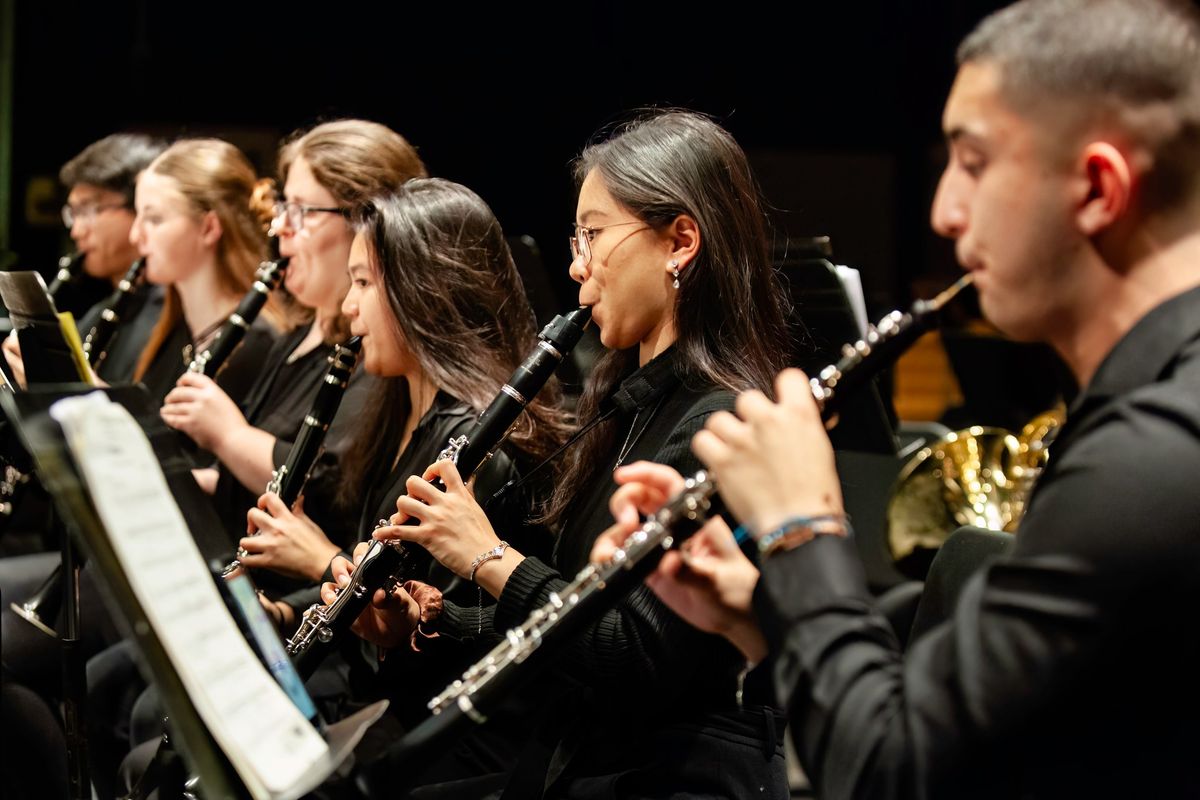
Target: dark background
838 106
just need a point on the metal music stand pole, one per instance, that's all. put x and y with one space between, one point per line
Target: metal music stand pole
74 673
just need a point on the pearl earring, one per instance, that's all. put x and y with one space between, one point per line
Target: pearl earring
675 272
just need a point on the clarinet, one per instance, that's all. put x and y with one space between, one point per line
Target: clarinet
95 346
234 330
69 268
598 587
288 480
383 564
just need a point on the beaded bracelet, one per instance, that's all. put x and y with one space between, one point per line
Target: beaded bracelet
802 528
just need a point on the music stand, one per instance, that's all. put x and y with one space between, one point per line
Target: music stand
823 321
65 479
50 345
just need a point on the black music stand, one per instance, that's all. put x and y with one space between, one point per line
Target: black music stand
823 320
50 357
44 438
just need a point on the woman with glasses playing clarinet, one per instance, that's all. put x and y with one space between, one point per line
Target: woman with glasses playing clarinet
326 171
671 254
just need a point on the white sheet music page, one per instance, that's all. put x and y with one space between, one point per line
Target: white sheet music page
262 733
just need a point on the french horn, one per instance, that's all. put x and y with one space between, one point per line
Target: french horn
979 476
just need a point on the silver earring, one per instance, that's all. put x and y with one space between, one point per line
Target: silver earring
675 272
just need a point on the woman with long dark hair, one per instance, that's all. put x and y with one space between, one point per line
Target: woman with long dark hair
670 251
444 321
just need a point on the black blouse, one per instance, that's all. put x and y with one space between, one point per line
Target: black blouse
277 404
237 376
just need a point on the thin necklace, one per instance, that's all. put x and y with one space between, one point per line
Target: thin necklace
630 439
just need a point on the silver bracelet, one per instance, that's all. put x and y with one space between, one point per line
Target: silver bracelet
486 556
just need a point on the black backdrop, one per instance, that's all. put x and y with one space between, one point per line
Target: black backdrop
838 105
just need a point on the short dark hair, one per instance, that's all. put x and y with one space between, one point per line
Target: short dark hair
113 163
1135 63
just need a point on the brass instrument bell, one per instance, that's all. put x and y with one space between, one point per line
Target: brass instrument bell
979 476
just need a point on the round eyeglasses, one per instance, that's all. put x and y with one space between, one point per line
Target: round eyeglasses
582 238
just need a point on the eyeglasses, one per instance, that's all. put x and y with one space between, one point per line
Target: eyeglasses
86 212
581 240
294 213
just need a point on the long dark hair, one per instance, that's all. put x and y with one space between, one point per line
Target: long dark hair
458 305
729 308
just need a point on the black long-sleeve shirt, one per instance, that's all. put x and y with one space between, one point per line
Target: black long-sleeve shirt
1069 668
640 687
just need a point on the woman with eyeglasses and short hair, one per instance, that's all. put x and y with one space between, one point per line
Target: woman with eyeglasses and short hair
670 251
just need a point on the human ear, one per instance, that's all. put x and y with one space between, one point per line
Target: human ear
684 236
210 229
1108 179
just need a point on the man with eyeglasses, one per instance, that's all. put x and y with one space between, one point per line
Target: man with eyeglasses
99 209
99 213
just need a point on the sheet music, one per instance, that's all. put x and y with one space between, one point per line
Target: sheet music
852 285
262 733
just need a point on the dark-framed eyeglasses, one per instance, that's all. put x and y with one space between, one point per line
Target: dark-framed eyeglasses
294 213
582 238
86 212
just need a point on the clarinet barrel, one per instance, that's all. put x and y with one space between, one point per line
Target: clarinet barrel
269 274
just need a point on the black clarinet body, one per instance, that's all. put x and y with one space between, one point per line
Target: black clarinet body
289 479
598 587
70 267
385 565
95 345
269 274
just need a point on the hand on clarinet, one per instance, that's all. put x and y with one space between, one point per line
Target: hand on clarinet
201 409
285 540
708 581
450 525
389 620
773 461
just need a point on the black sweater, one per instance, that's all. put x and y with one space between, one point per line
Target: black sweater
640 683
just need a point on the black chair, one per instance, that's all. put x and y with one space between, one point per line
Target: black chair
964 553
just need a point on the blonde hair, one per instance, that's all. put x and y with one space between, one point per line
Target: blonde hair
214 176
